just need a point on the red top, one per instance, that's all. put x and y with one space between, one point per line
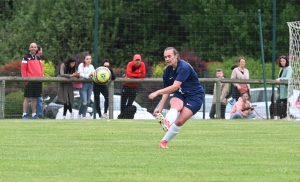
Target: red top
133 71
31 66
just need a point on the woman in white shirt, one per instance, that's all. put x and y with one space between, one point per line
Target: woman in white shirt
86 70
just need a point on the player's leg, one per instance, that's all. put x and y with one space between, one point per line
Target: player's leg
191 105
176 105
184 115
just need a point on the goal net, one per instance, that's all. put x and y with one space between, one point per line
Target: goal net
293 111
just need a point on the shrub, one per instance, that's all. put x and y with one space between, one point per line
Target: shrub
14 105
158 70
254 67
11 69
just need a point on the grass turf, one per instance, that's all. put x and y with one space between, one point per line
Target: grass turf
127 150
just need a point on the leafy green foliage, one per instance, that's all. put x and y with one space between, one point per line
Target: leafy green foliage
253 65
213 30
14 105
158 70
49 69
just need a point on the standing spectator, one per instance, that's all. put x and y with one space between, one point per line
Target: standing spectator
285 73
232 91
224 91
135 69
242 109
181 79
39 104
65 89
97 89
86 70
39 101
31 66
238 73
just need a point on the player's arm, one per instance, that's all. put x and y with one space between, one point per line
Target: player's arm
168 90
162 104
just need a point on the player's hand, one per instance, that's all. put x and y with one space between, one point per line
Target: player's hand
156 112
152 95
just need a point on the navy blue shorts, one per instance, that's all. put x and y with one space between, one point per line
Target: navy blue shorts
192 101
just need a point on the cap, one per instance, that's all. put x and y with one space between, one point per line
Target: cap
136 57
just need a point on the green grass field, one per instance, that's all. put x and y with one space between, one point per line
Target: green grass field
127 150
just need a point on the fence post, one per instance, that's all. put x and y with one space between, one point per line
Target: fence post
2 99
111 94
218 101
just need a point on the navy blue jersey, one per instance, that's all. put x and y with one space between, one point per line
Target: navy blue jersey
184 73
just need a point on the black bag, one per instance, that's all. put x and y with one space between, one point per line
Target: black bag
128 113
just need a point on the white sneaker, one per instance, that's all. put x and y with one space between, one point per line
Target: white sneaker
72 116
64 117
275 117
104 116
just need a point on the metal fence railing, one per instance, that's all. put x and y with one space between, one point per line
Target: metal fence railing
10 107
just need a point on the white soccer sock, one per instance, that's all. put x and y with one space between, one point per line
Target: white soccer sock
171 115
172 132
24 113
33 114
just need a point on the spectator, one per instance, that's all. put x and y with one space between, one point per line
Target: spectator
39 101
242 109
135 69
97 89
285 73
31 66
86 70
65 89
223 91
238 73
232 91
181 79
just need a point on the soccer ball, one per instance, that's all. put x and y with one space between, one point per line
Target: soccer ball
102 75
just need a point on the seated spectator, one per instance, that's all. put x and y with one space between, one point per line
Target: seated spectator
242 109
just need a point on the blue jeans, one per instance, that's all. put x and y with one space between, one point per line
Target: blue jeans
39 106
238 115
85 96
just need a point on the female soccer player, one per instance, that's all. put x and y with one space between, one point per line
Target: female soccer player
181 79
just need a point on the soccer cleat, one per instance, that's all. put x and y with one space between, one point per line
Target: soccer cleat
25 117
35 117
163 122
163 144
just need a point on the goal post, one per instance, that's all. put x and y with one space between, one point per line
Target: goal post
293 106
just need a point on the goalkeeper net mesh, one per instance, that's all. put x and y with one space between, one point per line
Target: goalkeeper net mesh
293 111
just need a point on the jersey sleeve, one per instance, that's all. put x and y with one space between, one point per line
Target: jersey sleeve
24 66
